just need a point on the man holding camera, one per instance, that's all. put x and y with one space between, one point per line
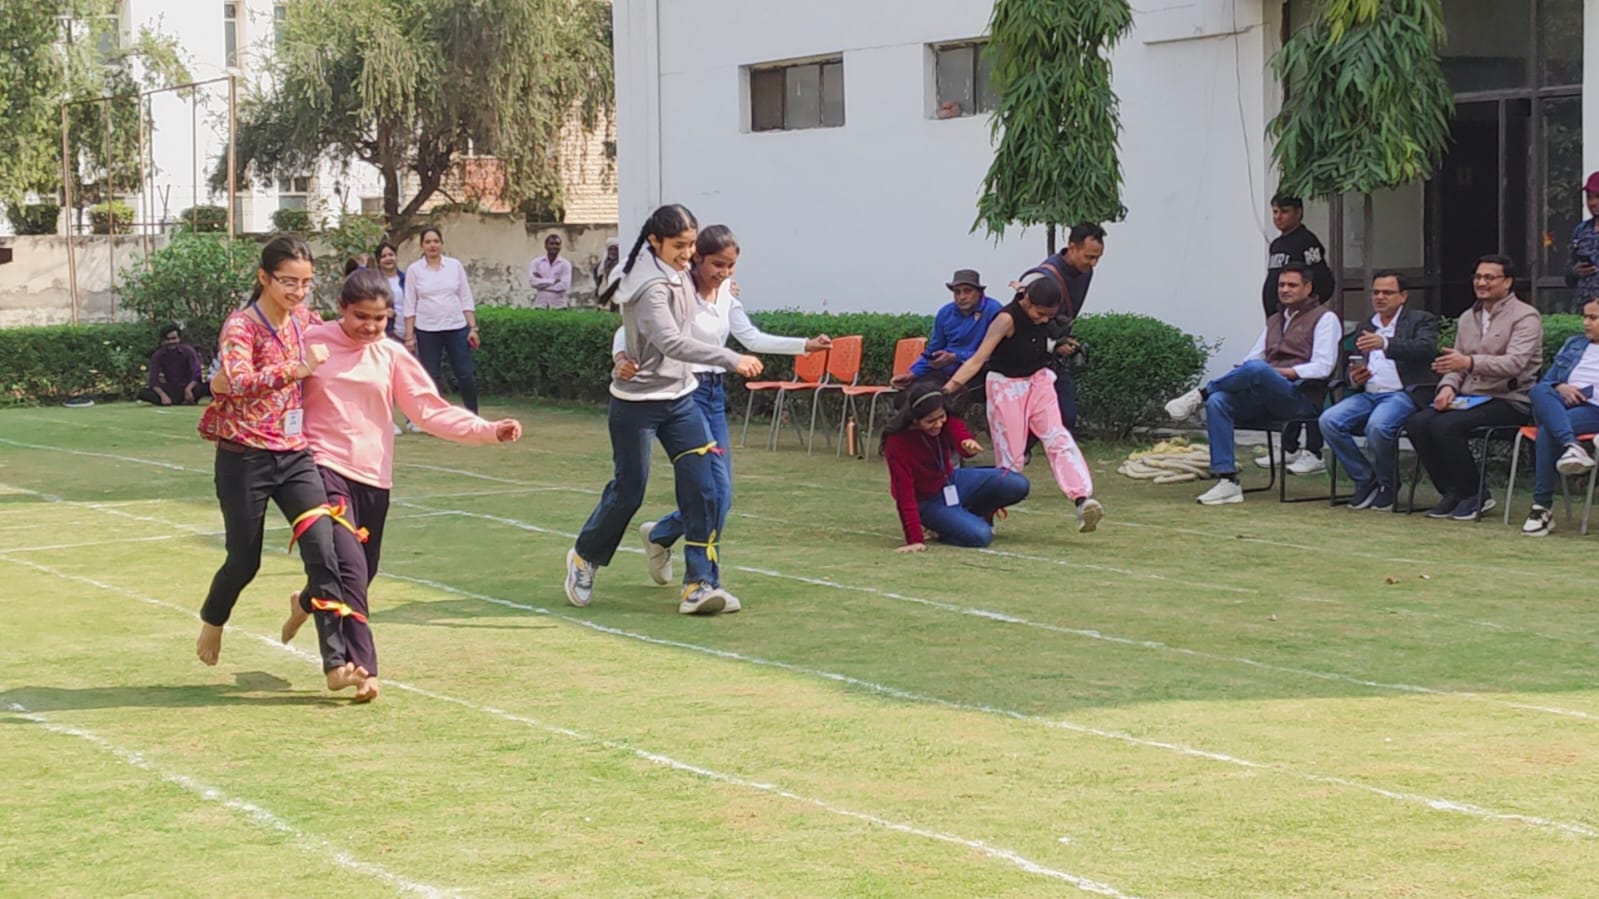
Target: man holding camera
1391 378
1073 269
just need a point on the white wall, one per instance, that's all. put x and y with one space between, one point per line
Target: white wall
875 215
1590 87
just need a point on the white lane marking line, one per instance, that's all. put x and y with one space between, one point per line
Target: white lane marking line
113 456
998 853
1445 805
88 544
187 438
1086 633
257 815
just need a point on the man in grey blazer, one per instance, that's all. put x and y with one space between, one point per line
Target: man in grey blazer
1486 377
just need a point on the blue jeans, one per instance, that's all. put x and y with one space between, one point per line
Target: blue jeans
431 346
981 491
1252 390
711 398
1383 415
1558 427
680 427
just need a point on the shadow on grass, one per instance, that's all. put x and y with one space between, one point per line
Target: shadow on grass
248 689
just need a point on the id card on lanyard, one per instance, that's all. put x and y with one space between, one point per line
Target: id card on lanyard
951 494
293 419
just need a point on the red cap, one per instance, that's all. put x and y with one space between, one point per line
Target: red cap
1592 186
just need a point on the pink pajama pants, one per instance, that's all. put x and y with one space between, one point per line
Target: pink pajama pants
1017 406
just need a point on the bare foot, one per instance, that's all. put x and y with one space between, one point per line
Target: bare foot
297 617
368 691
209 646
346 677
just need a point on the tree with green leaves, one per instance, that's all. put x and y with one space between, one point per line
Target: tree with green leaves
1057 122
410 86
1367 104
60 51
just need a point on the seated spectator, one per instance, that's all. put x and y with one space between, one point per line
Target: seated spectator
1563 406
1390 379
1284 375
923 444
958 329
175 375
1486 378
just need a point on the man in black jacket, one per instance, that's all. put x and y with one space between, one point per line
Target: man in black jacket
1394 376
1073 270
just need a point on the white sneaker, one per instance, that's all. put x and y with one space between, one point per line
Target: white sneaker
579 580
1185 406
701 599
1223 493
730 603
411 426
1575 460
1539 522
659 557
1305 462
1265 462
398 430
1089 512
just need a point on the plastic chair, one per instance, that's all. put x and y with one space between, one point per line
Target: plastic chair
843 370
809 371
1530 434
906 352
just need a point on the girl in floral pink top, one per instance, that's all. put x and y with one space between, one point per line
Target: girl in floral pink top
259 430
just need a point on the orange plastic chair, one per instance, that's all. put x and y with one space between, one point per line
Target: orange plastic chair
809 371
1529 433
906 352
843 370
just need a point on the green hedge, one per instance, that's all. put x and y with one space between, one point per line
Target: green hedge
1557 329
35 218
50 364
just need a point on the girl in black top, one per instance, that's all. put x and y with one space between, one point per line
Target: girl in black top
1021 395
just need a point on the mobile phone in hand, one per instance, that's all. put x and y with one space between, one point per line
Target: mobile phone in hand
1356 361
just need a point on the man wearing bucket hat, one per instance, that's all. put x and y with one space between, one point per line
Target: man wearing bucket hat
958 328
1582 272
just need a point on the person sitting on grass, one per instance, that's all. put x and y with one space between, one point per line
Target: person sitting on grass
922 444
1284 375
175 375
1563 406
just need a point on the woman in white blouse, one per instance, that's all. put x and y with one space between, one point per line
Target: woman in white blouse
717 314
440 316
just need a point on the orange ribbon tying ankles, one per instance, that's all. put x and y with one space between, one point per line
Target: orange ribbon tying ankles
339 608
335 511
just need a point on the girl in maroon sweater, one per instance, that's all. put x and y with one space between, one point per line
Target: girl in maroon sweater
923 444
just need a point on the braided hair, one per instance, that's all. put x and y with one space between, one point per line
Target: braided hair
667 221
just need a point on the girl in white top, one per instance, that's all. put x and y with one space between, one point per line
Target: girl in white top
717 313
441 317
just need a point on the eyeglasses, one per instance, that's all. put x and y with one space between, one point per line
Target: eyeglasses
291 284
1488 278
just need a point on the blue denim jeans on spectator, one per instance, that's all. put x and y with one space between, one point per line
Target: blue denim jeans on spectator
1251 391
981 491
1383 416
430 348
711 398
1558 427
680 426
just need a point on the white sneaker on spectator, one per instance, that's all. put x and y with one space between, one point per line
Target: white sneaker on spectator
659 557
1575 460
1185 406
398 430
1305 462
1265 461
411 426
1223 493
1539 522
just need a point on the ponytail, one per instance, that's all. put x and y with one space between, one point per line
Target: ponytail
667 221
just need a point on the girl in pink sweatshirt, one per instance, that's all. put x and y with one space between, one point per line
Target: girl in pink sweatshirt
348 423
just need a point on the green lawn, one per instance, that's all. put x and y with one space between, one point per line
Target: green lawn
1190 702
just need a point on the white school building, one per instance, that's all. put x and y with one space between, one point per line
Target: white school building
846 142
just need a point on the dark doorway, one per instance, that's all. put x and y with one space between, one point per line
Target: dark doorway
1481 194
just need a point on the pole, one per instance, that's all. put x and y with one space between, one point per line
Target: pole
110 210
66 197
194 161
233 162
146 190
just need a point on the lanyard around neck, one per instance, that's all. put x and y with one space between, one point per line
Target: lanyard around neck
299 341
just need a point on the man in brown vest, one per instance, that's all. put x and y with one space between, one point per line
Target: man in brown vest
1487 376
1284 376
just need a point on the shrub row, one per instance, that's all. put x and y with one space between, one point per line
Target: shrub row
1135 362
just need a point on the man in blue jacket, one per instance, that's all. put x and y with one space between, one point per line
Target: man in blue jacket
958 329
1563 406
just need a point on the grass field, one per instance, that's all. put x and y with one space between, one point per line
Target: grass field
1191 702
